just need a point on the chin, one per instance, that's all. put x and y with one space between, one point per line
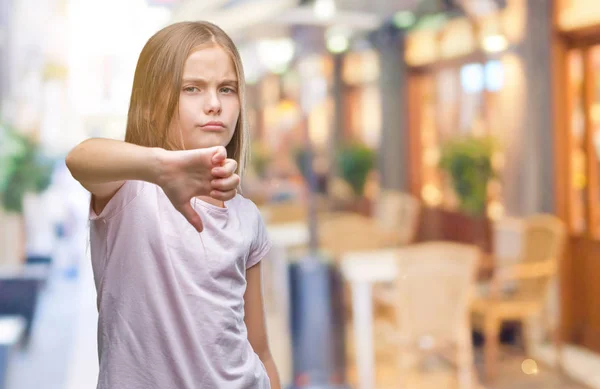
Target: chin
206 143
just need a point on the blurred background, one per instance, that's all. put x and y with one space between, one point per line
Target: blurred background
455 151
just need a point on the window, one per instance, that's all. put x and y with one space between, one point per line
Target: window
455 101
583 135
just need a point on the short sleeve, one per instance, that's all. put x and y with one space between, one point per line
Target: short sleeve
261 244
126 193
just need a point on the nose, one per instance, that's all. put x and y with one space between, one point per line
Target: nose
212 105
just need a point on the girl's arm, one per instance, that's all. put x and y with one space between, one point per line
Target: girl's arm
255 323
103 165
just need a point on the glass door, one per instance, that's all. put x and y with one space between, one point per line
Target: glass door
584 134
593 91
455 101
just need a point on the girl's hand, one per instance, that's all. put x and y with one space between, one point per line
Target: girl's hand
201 172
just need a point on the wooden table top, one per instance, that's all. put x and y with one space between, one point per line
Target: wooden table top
345 232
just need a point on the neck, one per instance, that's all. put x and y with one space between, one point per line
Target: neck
212 201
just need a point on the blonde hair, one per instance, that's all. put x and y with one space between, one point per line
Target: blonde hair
157 85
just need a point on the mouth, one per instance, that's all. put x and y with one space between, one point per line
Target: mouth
213 126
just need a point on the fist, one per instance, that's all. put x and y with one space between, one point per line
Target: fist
200 172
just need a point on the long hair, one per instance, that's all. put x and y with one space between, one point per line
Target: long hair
157 85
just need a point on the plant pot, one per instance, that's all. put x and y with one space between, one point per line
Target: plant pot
442 224
363 206
12 239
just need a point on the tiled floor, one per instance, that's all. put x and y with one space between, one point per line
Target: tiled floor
511 376
439 374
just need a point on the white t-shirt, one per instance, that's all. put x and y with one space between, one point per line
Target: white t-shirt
170 299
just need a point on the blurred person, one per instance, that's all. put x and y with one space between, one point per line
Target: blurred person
176 251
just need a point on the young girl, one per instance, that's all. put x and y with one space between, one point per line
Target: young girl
175 250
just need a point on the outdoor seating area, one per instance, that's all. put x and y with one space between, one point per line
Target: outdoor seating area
396 288
427 171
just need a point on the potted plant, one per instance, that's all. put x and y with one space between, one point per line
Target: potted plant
23 169
468 163
355 162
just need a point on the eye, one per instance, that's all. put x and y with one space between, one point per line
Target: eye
227 90
191 89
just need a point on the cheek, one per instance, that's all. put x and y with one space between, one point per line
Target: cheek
186 114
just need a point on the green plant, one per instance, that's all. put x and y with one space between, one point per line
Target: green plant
468 163
23 168
355 161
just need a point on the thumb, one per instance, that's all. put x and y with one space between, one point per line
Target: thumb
192 216
219 156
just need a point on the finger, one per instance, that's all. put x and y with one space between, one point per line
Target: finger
225 184
223 196
228 168
192 216
219 156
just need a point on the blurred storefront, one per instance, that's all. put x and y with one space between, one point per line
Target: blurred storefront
481 75
457 89
362 99
577 128
500 75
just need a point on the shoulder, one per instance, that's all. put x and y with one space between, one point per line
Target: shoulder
255 226
244 205
249 213
121 200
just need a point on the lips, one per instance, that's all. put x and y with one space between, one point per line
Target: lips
213 126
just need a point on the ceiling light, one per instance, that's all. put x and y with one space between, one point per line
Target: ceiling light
495 43
337 44
337 39
276 54
324 9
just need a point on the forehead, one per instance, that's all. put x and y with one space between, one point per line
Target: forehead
210 62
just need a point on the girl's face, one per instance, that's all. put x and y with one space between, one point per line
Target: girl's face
209 105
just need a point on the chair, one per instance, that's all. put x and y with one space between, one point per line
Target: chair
434 290
398 212
284 212
340 193
544 238
507 236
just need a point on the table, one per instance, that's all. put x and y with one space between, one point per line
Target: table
288 235
11 331
20 288
338 233
346 235
362 270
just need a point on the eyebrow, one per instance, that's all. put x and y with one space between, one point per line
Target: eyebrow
203 80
